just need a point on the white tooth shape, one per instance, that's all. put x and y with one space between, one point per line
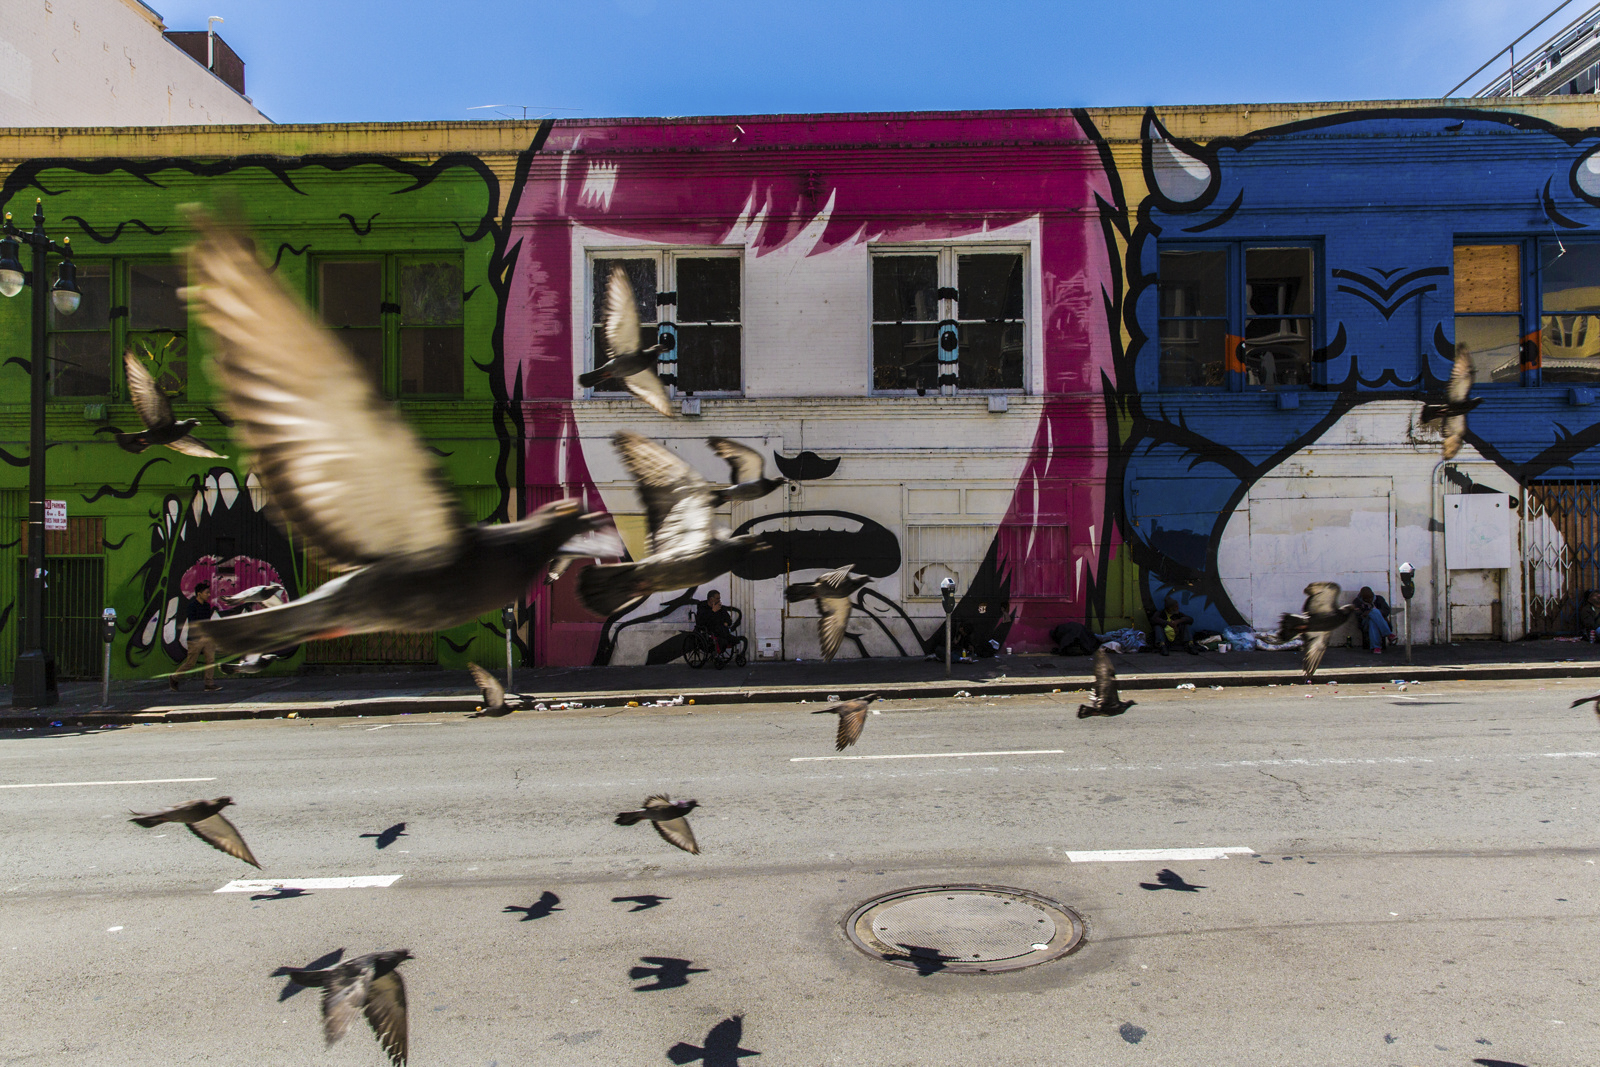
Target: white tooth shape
211 494
1179 176
150 629
258 495
169 632
194 509
172 516
228 487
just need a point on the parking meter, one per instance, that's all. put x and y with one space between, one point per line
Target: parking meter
947 593
508 619
108 625
108 634
1408 585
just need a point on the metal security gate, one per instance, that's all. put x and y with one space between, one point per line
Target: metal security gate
74 594
1560 534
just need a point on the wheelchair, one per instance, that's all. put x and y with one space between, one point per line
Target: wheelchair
701 647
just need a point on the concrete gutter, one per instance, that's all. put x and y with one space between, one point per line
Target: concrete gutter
416 704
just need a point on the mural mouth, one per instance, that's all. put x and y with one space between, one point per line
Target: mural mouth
819 540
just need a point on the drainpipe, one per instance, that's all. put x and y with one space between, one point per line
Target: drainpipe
211 42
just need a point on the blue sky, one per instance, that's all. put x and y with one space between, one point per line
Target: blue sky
397 60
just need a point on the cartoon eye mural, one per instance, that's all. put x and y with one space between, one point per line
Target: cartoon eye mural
1182 175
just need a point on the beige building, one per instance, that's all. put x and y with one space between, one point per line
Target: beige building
112 63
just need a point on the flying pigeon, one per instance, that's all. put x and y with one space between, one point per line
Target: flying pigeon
155 410
1106 699
270 594
370 984
494 694
205 820
351 477
1315 621
832 594
687 547
1456 403
852 717
668 819
746 468
635 367
1595 700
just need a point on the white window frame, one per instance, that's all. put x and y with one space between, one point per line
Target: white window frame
666 261
949 253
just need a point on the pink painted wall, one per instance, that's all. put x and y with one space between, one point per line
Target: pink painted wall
890 178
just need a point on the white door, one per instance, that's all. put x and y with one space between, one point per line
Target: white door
1305 530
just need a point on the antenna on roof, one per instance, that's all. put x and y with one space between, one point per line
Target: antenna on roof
547 109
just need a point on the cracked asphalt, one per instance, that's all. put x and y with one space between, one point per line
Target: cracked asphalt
1421 887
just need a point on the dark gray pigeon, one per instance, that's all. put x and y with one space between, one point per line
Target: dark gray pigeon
352 479
852 717
205 820
1595 700
1453 410
1107 701
747 470
668 819
629 363
1315 621
154 408
832 593
687 547
370 984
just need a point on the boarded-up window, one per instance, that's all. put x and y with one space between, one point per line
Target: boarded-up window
1488 279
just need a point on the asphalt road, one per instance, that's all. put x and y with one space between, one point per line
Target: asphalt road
1424 887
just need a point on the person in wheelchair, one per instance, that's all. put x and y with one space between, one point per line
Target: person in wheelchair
714 639
713 619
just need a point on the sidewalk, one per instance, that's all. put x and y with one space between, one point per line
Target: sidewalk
413 692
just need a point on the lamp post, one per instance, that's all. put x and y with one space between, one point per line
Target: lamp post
33 682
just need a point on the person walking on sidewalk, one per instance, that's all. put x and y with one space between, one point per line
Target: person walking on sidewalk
196 610
1171 626
1372 615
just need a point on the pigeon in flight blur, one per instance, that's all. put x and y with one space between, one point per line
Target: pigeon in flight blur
832 593
746 468
370 984
687 546
271 594
1456 403
351 477
1315 621
852 717
667 818
632 365
205 820
1107 701
1595 700
155 410
494 695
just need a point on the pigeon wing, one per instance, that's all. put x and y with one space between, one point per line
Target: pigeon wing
151 404
1322 598
190 445
744 463
835 579
337 460
676 832
494 694
385 1009
1455 428
622 316
1460 383
835 613
1105 679
221 834
647 386
677 500
1316 645
344 992
852 717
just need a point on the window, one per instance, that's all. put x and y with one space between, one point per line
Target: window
1569 307
1488 284
401 316
126 304
948 317
1236 315
690 302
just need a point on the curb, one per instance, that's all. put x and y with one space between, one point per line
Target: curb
419 705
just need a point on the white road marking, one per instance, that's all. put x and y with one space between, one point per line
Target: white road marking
1146 855
385 726
267 885
936 755
112 929
134 781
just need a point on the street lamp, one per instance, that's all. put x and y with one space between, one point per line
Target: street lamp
33 682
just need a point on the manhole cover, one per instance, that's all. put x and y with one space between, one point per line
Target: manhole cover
964 929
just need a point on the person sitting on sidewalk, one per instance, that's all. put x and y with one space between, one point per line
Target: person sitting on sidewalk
196 610
1171 626
1372 615
1589 616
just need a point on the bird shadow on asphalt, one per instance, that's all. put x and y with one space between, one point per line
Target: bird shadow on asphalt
926 960
669 972
291 987
282 893
641 903
1497 1063
1167 878
538 909
389 836
721 1048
